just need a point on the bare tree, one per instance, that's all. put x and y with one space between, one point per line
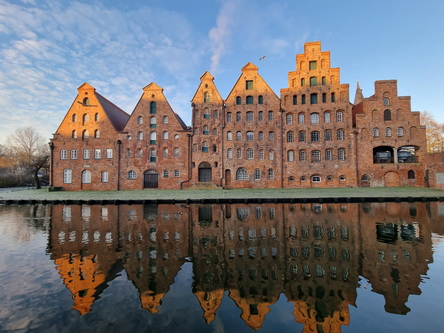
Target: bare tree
28 151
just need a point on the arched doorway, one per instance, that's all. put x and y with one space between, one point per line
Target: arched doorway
205 174
228 177
150 179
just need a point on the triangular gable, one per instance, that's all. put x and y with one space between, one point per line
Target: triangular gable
208 79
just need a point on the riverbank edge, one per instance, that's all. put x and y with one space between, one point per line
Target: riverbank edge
220 196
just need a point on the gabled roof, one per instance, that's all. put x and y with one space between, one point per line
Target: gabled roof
116 115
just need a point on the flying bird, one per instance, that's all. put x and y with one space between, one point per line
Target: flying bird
263 57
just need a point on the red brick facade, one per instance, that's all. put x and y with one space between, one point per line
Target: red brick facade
309 136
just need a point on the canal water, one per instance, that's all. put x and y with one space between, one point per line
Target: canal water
373 267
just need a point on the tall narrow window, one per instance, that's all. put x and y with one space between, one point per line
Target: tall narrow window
176 152
290 156
63 154
303 99
86 177
312 65
104 176
313 81
290 136
249 116
238 116
301 136
388 132
140 120
314 98
153 107
315 137
339 116
328 155
387 115
207 114
341 135
109 153
239 154
324 98
295 99
229 136
333 98
205 147
270 136
96 117
139 136
260 115
153 157
326 117
67 176
85 134
97 154
207 97
257 174
302 155
229 117
271 154
324 81
165 120
386 101
376 132
270 174
341 154
302 82
260 99
229 153
301 118
153 122
153 138
205 130
261 154
238 100
165 135
261 136
74 134
74 118
250 154
74 154
238 136
86 154
327 134
400 131
270 115
289 119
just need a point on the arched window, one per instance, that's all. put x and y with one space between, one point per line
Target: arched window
250 154
153 157
205 130
261 136
176 152
165 152
239 153
249 116
270 115
238 116
238 100
131 174
327 134
153 122
313 81
165 120
314 118
205 147
341 135
229 117
249 100
97 133
96 117
411 174
139 136
271 136
140 120
301 118
250 136
327 117
207 114
315 156
85 118
315 136
86 101
339 116
290 156
328 155
290 136
302 82
303 99
376 132
400 131
85 134
165 135
271 154
388 132
129 152
341 154
315 179
86 177
229 136
260 99
139 152
74 118
295 99
238 136
230 153
313 98
153 138
153 108
289 119
386 101
261 154
302 155
387 115
74 134
260 116
241 174
301 136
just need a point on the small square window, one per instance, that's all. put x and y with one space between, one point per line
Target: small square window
249 85
312 65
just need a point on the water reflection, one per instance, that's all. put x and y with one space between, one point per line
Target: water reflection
314 254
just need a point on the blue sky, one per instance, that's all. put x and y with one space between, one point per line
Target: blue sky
50 47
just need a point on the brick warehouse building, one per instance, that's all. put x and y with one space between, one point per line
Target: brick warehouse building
309 136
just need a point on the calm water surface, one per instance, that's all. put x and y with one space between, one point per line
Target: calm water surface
375 267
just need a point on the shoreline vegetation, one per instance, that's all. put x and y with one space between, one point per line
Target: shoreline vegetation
278 195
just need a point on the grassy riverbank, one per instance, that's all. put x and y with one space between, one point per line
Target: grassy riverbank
374 192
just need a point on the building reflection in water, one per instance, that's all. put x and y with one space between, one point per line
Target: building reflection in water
314 254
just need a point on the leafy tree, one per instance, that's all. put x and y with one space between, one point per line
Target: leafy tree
434 133
29 153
